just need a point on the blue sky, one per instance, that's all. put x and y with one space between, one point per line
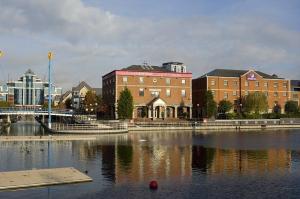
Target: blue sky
92 37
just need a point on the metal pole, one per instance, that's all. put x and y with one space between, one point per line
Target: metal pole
49 90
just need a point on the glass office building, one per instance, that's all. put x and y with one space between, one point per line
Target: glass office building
30 90
3 92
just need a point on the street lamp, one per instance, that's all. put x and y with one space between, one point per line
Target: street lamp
198 111
49 90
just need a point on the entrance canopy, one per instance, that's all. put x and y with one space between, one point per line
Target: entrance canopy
157 102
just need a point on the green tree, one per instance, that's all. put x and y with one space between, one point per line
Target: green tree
91 102
125 104
210 106
4 104
255 103
90 99
225 106
291 107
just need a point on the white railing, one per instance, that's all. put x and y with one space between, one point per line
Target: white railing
98 127
34 110
244 122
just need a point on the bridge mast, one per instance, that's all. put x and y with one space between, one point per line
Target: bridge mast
49 90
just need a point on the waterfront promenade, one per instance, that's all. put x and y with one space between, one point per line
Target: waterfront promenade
45 138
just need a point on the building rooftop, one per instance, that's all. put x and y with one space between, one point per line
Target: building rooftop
237 73
176 63
29 71
81 85
145 68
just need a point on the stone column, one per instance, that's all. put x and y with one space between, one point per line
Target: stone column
134 109
149 111
116 111
191 112
8 119
159 112
153 113
175 111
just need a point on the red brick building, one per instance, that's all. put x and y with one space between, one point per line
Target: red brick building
164 92
232 85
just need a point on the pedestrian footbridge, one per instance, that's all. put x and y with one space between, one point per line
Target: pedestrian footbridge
34 112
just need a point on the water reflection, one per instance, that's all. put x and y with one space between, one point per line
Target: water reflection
23 128
136 158
128 160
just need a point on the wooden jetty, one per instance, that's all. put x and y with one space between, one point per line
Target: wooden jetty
41 177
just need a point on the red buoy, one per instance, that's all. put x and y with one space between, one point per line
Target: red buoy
153 185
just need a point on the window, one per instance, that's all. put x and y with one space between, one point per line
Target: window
168 81
266 84
183 93
213 93
284 94
234 93
183 81
225 82
125 79
141 92
246 83
154 93
246 92
275 94
275 84
235 83
284 85
141 80
257 83
168 92
212 82
154 80
266 93
225 95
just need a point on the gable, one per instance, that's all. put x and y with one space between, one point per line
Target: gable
252 75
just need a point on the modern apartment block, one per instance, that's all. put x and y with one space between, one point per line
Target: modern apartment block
30 90
232 85
78 94
164 92
295 91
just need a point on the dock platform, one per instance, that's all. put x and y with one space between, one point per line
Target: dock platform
41 177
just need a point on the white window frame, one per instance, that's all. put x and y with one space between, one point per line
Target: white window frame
183 93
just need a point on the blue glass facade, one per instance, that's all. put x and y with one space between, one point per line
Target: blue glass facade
3 92
29 90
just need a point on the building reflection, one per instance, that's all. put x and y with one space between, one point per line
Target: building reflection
128 160
125 159
216 161
152 162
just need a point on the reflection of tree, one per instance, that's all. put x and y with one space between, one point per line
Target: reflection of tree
202 158
125 154
108 162
257 155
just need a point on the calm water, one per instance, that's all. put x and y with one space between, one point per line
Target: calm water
254 164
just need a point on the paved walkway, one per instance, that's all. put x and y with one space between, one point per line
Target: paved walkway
41 177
